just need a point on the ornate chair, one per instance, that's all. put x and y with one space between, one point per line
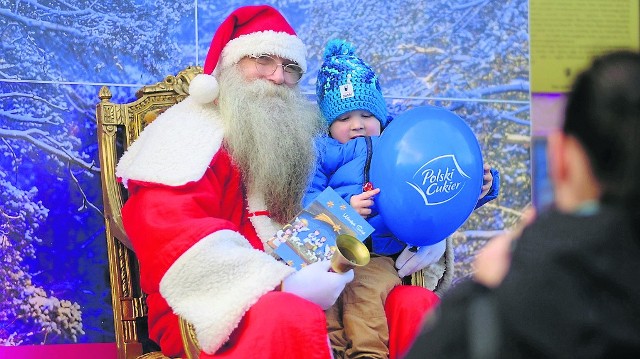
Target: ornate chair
118 126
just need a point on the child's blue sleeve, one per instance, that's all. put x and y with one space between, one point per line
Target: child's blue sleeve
493 192
340 166
319 183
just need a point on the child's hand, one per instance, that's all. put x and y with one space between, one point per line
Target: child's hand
487 181
362 202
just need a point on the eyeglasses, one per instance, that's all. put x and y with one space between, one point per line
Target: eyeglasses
267 66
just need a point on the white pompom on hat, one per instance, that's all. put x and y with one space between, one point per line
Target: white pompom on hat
248 31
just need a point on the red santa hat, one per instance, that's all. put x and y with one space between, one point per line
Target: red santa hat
249 30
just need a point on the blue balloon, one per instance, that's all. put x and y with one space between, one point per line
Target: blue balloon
428 166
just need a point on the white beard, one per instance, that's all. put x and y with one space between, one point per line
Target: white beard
269 132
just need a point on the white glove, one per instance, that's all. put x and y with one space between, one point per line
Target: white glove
316 284
411 261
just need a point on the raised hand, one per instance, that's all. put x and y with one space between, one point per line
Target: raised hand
362 202
487 180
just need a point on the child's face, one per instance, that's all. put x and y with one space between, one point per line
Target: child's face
354 124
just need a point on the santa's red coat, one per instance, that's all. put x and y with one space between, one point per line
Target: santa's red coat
199 246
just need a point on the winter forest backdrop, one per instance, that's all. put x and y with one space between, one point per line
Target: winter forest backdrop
470 56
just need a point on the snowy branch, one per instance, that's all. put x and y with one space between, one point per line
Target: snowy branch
33 97
514 86
45 25
85 201
28 135
469 4
49 10
504 209
27 119
515 120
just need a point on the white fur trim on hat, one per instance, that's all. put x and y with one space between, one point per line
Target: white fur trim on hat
204 88
264 42
216 281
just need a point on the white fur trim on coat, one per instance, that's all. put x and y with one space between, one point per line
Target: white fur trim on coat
264 42
216 281
265 227
176 148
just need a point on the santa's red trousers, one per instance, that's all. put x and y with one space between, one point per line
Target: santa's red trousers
406 307
282 325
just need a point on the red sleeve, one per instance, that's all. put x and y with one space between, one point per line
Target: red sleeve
163 222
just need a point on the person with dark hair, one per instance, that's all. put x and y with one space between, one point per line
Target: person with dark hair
566 286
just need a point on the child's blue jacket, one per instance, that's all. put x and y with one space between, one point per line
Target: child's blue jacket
342 167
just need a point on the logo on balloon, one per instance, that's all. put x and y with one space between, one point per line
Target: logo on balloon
439 180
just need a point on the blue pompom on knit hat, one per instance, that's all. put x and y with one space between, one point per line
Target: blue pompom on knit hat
347 83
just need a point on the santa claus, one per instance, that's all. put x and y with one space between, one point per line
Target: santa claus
210 180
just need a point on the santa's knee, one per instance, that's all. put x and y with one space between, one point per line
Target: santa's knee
406 299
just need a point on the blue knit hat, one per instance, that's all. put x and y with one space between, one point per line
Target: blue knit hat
346 83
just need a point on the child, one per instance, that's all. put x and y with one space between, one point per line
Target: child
351 102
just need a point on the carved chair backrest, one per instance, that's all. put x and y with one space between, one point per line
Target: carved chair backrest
118 126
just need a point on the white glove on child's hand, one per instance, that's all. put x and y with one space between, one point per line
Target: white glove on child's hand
409 262
316 284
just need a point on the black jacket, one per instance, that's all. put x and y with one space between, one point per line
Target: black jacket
573 291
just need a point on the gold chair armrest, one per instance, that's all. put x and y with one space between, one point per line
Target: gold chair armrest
189 340
153 355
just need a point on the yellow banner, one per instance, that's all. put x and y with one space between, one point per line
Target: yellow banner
566 34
